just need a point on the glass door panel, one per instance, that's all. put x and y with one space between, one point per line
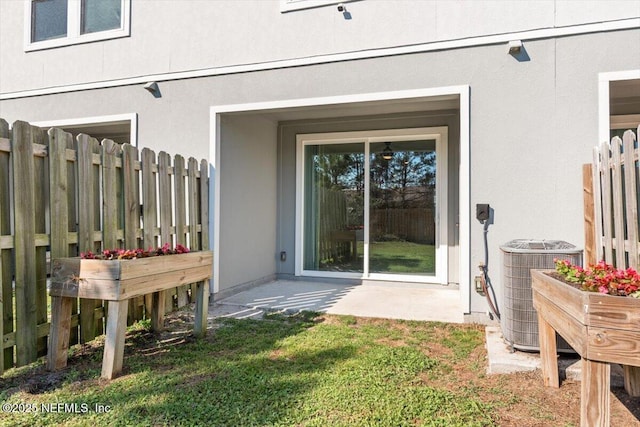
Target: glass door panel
402 207
333 224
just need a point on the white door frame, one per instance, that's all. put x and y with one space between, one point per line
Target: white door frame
464 191
437 134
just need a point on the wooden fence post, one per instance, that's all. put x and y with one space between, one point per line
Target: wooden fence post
589 216
6 267
22 139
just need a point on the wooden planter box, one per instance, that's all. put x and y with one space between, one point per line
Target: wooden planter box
602 328
117 281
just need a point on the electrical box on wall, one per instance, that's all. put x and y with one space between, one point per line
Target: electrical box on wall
482 212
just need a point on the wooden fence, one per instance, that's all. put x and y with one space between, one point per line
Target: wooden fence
60 197
611 204
413 224
616 175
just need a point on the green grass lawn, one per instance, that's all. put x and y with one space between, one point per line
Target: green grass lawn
302 371
402 257
396 257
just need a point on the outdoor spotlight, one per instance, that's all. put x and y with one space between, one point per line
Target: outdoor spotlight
153 88
515 47
341 8
387 153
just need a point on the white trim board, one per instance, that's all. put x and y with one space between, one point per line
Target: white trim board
463 92
132 118
336 57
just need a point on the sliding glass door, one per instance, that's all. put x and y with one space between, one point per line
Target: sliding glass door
372 204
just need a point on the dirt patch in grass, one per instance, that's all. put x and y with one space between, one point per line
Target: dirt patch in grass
518 399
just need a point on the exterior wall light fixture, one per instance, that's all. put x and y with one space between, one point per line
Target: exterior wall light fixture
153 89
515 47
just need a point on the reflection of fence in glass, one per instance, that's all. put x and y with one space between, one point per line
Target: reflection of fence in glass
415 225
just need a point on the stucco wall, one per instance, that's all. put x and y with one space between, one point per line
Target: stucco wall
247 201
174 36
532 123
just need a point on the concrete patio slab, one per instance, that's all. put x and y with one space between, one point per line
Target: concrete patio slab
408 302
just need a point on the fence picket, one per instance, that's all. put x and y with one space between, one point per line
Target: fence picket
131 217
618 208
62 196
607 220
165 204
204 204
41 184
631 177
87 198
597 199
194 203
6 268
22 141
181 216
111 194
150 223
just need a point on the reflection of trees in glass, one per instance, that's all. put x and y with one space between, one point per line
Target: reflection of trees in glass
407 180
339 171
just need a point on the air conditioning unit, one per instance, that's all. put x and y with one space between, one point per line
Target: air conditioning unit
519 320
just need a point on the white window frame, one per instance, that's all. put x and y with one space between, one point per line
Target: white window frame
132 118
605 121
437 134
291 5
74 17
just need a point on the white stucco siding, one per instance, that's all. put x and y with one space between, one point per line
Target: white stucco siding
248 183
532 125
173 36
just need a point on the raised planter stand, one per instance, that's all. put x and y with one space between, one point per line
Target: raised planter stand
602 328
116 281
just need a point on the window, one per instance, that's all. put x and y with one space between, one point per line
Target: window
53 23
100 15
